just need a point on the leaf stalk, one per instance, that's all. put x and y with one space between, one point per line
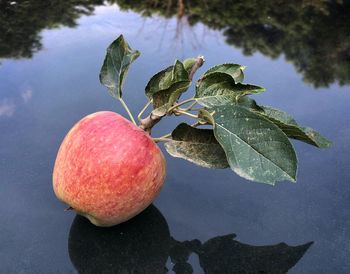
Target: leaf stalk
143 110
180 104
157 140
127 110
186 113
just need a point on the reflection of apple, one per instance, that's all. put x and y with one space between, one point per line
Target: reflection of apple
107 169
140 245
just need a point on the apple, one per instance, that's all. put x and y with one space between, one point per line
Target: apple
107 169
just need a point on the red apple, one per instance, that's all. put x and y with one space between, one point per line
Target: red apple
107 169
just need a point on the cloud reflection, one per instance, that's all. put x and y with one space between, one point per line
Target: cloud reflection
27 95
7 107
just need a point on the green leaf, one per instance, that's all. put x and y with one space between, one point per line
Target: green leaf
166 87
218 88
198 146
188 64
116 64
160 111
255 147
291 128
205 117
234 70
249 103
168 97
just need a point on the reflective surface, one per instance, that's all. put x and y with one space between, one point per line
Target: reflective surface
51 55
144 244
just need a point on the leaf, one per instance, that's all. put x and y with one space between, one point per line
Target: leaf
256 148
205 117
188 64
161 111
167 98
291 128
216 89
165 87
198 146
249 103
118 58
234 70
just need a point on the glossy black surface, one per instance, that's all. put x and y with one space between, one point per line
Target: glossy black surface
51 54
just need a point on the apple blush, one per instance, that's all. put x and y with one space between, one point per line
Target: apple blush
107 169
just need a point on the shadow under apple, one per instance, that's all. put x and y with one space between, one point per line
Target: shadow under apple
144 244
140 245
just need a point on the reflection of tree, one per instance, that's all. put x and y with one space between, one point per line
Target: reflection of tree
313 34
22 21
143 245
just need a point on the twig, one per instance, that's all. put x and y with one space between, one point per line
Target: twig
148 123
199 62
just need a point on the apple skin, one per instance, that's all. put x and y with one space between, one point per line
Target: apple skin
107 169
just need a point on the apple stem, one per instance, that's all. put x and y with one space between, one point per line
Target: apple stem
127 110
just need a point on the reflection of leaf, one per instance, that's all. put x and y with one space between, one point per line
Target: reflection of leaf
223 254
218 88
198 146
179 254
234 70
165 87
290 127
256 148
116 64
